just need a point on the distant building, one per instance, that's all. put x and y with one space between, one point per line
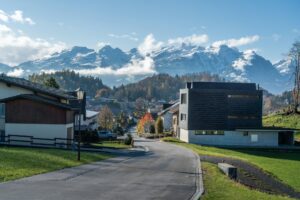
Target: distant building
29 109
167 116
89 123
213 113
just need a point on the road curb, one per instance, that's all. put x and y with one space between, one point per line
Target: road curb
198 172
199 180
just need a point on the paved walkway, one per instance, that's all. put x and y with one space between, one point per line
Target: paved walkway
166 171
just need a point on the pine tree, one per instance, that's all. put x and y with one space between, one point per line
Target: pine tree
51 82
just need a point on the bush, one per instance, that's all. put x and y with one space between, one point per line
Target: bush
118 130
128 139
159 127
152 129
89 137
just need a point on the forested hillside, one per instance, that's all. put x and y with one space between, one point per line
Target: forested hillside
69 80
159 87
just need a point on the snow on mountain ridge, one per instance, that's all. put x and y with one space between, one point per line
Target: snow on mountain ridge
113 64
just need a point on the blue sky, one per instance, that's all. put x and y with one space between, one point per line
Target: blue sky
275 24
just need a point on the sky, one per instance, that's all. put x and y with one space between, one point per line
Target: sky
33 29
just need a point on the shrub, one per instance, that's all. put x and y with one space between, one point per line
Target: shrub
89 137
159 127
118 130
128 139
152 129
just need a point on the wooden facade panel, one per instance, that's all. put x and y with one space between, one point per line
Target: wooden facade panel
32 112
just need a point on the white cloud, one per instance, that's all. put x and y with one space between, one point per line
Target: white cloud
237 42
3 16
102 44
131 36
15 72
135 67
16 48
17 16
189 40
149 45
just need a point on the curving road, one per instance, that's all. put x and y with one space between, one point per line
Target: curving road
164 172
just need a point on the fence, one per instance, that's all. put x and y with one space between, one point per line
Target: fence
26 140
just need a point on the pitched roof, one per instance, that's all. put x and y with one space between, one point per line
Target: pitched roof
90 113
172 109
39 99
23 83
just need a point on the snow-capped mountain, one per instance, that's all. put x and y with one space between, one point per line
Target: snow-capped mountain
115 66
4 68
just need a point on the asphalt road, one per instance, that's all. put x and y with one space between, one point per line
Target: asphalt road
164 172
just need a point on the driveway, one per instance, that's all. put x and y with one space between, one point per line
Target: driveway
164 172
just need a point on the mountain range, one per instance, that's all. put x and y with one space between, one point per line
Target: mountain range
116 67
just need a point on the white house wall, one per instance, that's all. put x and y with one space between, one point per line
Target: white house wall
167 121
184 135
11 91
38 130
233 138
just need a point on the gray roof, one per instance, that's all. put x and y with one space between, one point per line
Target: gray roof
39 99
174 106
23 83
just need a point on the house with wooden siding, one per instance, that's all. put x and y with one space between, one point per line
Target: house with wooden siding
32 110
215 113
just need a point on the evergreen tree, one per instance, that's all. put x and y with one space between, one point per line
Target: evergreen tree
159 127
51 82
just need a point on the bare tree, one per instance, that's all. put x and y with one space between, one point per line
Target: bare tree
295 55
105 118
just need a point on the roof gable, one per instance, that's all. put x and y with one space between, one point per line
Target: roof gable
36 87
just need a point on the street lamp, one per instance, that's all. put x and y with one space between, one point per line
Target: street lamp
81 101
79 134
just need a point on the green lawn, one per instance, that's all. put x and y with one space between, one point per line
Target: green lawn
17 162
114 144
218 186
283 165
285 121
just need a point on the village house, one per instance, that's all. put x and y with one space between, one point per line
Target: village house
167 116
31 110
213 113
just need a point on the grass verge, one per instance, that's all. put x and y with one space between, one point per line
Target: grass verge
218 186
112 144
283 165
18 162
285 121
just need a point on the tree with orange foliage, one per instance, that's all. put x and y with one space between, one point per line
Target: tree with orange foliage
145 120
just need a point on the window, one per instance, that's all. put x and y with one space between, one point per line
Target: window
2 110
183 117
245 133
243 96
254 138
208 132
183 98
241 117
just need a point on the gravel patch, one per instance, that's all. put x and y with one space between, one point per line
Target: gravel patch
254 177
